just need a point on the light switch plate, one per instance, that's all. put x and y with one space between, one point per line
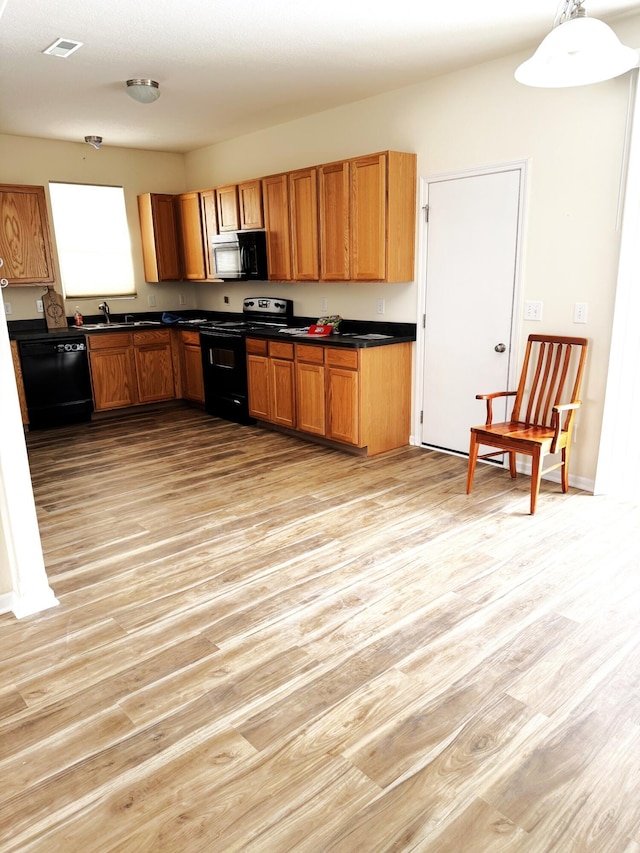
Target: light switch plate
151 300
533 310
7 308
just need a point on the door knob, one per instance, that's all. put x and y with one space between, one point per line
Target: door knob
499 347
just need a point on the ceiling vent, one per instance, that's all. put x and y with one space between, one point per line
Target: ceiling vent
63 47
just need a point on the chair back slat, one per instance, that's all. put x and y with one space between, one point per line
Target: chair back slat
549 362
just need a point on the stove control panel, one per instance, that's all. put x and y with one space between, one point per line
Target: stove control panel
279 308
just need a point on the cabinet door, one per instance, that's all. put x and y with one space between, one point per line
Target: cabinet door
250 204
310 397
192 381
283 398
191 231
160 242
276 213
210 228
303 212
154 370
368 218
25 238
334 222
17 369
227 206
113 378
343 405
258 386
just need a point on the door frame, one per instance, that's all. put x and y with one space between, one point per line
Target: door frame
517 300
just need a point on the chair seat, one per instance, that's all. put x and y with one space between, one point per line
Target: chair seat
516 431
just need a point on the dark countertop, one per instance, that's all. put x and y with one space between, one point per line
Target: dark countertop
353 333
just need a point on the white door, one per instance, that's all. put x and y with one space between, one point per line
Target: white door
471 270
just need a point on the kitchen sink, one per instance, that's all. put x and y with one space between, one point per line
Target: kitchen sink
134 323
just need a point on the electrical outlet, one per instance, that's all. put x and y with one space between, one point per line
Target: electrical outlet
39 306
380 306
226 300
324 305
7 308
182 299
533 310
580 312
151 301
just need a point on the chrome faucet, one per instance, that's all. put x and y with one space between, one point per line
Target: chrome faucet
105 309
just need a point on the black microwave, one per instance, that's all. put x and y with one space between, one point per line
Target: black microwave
240 256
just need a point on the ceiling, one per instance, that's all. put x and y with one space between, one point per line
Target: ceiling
230 67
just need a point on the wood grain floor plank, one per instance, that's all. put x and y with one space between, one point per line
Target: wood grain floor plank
265 645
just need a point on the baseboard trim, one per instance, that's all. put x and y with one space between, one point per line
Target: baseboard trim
28 605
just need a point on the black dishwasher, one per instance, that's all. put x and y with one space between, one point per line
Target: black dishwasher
57 384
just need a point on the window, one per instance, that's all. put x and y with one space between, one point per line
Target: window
92 238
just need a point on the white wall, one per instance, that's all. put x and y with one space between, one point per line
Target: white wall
574 142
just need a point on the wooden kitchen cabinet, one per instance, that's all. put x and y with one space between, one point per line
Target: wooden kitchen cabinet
25 236
334 218
310 389
160 242
357 397
250 205
17 369
303 220
154 365
367 218
192 236
130 368
342 395
271 381
275 192
192 383
113 370
227 208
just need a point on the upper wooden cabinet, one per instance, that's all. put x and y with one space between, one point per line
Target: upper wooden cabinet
291 220
239 206
250 205
303 219
197 223
275 192
159 231
367 218
25 237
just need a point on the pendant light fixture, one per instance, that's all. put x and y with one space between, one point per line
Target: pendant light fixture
578 51
143 91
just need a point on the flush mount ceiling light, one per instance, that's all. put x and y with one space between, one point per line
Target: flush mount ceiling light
578 51
96 141
143 91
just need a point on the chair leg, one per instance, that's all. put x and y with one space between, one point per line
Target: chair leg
535 478
565 469
512 464
473 458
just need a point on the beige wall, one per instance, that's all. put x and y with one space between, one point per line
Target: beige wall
573 140
38 161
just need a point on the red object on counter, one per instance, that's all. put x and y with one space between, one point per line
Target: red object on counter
320 330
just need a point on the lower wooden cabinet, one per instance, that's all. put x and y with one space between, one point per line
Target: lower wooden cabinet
154 365
131 368
191 365
17 367
271 380
357 397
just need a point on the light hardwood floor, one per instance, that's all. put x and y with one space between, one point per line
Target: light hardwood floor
266 645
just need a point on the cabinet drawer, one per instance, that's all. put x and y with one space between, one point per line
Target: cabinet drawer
310 354
278 349
110 340
342 358
151 336
190 337
255 347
